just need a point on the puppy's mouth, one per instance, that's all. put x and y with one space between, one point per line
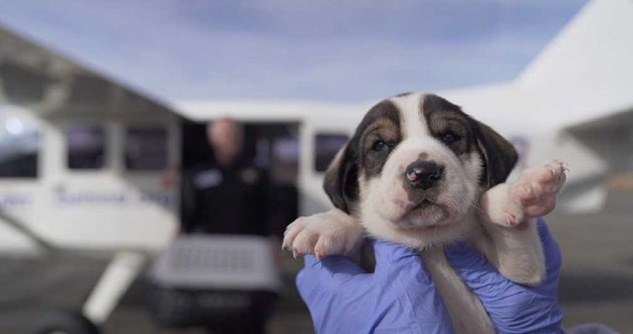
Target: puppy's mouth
425 215
424 204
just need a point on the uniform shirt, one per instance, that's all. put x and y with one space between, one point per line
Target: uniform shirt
231 200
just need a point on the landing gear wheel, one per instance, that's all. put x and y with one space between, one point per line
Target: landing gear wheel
63 322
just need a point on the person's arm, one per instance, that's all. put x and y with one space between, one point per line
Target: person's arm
512 307
187 203
399 297
264 205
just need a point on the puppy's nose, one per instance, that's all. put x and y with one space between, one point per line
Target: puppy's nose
423 174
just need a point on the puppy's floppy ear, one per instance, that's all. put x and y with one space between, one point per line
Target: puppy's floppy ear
499 155
341 179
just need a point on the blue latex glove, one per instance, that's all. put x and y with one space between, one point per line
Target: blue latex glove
399 297
513 308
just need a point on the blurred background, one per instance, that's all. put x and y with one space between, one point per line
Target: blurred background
105 143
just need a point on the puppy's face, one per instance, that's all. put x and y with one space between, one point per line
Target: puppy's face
414 169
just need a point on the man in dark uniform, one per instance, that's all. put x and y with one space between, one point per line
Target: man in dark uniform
227 196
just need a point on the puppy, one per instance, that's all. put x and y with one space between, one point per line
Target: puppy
420 172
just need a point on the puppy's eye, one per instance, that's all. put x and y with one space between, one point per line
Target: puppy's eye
449 138
381 146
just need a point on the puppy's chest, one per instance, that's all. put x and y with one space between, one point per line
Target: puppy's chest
466 311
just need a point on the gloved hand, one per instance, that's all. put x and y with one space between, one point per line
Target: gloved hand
513 308
399 297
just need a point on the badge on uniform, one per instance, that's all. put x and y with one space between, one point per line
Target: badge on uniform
207 179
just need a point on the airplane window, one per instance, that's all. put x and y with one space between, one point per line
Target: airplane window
325 148
146 148
19 144
86 147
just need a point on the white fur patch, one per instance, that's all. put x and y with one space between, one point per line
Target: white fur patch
412 122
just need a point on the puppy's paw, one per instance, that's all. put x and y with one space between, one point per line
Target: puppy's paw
329 233
534 194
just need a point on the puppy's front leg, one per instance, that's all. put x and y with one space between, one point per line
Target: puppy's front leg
512 243
329 233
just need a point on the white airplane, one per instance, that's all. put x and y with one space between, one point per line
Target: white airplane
573 102
79 183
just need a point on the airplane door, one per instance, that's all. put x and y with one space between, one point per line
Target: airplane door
273 147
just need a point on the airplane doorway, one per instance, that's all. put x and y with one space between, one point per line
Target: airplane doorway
272 147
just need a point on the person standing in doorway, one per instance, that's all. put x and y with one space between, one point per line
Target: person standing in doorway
228 196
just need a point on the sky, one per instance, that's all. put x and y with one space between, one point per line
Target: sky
338 51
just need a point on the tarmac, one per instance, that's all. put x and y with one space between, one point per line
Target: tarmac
596 281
